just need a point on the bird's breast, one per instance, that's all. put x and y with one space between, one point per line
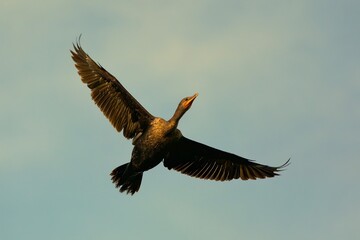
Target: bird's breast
160 133
153 144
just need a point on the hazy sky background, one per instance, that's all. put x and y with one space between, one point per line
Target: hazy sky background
276 79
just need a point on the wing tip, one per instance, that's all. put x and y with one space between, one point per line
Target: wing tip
283 166
277 170
78 41
76 46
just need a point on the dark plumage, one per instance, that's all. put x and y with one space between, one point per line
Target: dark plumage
156 139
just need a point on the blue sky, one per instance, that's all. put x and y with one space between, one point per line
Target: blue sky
276 80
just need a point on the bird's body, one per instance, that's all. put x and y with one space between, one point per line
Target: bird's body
155 139
150 147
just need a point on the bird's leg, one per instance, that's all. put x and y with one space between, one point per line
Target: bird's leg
138 135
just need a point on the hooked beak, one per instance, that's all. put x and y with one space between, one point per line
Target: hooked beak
190 100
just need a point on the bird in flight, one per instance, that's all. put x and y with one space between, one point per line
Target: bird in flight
158 140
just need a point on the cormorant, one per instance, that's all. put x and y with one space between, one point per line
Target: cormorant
155 139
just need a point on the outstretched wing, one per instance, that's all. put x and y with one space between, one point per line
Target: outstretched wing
123 111
201 161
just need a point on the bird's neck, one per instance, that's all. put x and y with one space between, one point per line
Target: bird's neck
174 120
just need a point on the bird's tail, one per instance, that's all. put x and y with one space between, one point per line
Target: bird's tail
126 179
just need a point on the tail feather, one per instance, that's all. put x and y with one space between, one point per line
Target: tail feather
125 179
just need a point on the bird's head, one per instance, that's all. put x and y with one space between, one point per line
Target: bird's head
183 106
186 102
